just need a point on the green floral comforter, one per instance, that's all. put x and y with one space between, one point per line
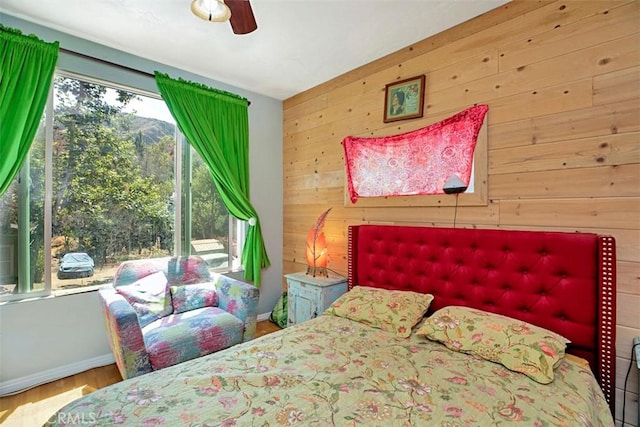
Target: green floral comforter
333 371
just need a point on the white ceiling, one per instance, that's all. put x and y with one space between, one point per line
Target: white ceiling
298 44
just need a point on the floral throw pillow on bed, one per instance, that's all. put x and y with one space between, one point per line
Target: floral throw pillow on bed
149 297
191 297
389 310
517 345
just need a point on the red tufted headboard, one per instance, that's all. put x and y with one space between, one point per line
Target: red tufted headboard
564 282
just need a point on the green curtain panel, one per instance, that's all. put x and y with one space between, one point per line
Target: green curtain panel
216 124
26 71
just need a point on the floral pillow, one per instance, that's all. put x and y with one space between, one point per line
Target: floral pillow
392 311
190 297
518 345
149 297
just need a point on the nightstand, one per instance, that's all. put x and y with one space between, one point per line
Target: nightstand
309 296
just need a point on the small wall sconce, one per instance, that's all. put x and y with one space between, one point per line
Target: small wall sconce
317 252
454 185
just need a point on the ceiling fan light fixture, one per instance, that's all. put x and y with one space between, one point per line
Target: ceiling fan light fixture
211 10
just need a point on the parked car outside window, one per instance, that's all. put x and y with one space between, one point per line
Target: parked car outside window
74 265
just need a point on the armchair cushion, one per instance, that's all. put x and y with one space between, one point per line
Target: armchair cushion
184 336
149 297
190 297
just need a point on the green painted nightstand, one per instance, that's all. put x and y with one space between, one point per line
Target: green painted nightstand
309 296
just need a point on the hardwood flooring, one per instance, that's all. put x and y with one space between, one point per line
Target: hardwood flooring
33 407
266 327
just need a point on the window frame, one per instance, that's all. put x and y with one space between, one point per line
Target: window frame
182 187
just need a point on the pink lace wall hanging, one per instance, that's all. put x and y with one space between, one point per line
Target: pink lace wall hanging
416 162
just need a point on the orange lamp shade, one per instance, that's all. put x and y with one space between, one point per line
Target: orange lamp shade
317 253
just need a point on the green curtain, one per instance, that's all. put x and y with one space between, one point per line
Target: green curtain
26 71
216 124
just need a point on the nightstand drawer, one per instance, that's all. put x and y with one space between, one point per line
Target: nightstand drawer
304 290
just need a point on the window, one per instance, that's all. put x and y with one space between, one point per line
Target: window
108 178
212 228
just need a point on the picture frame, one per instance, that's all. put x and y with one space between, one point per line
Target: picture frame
404 99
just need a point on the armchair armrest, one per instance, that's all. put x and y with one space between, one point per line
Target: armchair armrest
240 299
125 334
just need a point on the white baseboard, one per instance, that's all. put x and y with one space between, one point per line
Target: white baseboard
24 383
264 316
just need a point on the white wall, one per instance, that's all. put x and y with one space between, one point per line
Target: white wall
45 339
49 338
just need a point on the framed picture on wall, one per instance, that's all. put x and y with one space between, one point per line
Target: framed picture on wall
404 99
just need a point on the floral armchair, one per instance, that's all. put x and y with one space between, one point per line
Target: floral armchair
161 312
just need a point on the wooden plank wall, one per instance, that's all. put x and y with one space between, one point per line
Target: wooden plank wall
562 81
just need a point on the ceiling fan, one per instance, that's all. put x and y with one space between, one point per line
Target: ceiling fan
237 12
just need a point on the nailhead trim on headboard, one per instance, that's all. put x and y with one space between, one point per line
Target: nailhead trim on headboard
607 320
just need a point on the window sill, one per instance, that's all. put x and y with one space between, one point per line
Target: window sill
19 298
80 290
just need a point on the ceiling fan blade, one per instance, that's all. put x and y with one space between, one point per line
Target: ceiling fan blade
242 19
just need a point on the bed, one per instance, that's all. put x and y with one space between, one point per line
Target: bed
393 350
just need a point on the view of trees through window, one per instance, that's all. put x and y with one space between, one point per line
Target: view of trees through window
112 194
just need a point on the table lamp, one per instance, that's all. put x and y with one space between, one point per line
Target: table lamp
317 253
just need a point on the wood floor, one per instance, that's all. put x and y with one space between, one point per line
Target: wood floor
33 407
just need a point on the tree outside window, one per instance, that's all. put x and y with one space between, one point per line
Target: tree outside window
113 186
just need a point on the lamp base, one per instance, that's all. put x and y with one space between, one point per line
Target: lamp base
317 271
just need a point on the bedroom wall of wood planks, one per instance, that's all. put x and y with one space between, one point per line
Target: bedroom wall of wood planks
562 81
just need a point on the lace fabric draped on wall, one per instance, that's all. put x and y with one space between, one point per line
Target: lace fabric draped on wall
413 163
